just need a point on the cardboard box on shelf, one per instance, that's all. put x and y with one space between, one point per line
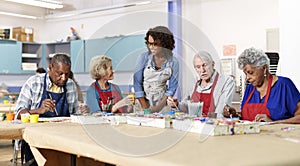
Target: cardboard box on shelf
24 34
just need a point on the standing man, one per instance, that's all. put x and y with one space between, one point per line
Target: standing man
50 94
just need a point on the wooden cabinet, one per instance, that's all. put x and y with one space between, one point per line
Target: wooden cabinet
10 55
123 50
17 57
77 56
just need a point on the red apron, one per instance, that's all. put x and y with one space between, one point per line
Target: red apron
108 99
249 111
206 98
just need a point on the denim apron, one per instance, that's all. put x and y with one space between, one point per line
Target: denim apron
62 108
61 102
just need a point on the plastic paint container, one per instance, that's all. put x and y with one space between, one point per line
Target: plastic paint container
147 111
34 118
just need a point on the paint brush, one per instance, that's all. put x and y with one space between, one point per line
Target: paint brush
174 100
54 107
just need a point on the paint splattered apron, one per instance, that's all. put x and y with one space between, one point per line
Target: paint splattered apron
108 99
155 82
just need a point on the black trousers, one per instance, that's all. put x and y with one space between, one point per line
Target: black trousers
26 153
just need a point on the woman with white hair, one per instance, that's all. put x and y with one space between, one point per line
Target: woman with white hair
268 97
213 89
103 96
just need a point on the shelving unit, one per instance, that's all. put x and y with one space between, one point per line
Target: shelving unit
31 57
53 48
74 48
124 51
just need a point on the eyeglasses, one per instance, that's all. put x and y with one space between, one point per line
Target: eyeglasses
151 44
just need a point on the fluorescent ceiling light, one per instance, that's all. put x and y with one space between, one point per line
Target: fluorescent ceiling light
95 10
50 4
18 15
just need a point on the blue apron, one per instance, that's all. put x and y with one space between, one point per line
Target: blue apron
61 103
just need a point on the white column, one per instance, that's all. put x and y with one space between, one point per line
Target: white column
289 63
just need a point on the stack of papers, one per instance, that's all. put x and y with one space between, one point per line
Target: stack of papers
51 55
28 55
54 119
89 119
150 122
29 66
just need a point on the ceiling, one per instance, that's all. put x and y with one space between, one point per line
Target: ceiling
69 6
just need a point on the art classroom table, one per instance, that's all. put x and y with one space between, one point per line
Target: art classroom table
13 130
277 144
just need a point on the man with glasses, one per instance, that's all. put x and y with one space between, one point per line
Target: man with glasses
50 94
157 70
213 89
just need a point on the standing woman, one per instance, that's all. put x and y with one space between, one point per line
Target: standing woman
156 71
268 97
103 96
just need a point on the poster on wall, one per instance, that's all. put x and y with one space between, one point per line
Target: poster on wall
228 66
229 50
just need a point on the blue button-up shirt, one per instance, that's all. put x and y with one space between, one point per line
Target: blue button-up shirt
138 77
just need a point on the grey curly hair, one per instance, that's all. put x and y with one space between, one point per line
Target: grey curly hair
99 65
253 56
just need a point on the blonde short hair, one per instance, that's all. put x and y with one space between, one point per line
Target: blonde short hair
99 65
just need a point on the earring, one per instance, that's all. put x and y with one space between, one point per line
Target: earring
265 75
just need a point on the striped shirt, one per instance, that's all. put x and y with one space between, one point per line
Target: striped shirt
31 93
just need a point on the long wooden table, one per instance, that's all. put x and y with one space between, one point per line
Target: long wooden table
277 144
14 130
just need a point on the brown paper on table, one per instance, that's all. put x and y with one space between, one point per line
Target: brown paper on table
63 136
39 158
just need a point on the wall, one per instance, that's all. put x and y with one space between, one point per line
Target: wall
207 24
135 20
126 21
10 22
289 40
224 22
122 21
